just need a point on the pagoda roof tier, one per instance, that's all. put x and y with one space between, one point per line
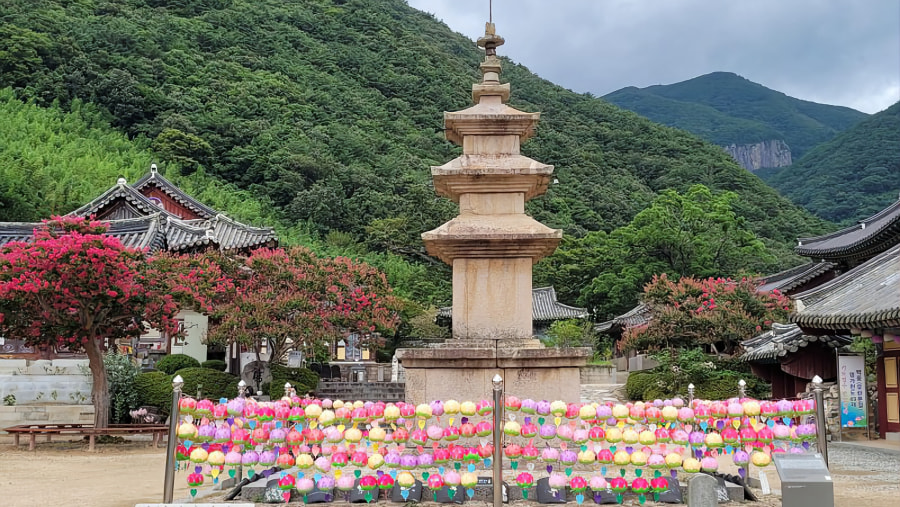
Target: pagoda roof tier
489 118
867 238
489 174
866 297
155 179
491 236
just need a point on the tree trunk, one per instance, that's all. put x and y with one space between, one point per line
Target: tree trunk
100 389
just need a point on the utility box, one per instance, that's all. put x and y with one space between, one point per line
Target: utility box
805 480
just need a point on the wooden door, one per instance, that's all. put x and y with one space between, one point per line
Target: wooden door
891 391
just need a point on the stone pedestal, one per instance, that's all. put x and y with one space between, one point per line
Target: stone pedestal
463 369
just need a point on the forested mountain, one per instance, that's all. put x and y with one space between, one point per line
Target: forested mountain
851 177
53 161
726 109
329 112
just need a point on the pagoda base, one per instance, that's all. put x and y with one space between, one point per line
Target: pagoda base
462 370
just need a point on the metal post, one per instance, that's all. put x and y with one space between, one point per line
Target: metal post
821 437
242 393
691 395
169 486
497 481
742 389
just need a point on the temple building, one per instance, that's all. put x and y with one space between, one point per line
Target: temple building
155 215
850 287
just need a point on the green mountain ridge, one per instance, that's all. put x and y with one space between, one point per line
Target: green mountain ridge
850 177
725 108
330 112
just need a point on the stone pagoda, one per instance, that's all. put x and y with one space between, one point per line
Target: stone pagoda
492 246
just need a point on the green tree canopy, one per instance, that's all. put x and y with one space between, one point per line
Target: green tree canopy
695 233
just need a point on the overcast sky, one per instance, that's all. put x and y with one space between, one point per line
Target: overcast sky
844 52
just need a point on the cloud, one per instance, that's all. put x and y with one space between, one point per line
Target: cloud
844 52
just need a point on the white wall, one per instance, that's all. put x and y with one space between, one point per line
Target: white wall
196 326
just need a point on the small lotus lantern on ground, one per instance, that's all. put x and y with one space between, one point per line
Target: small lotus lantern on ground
385 482
525 481
578 484
286 483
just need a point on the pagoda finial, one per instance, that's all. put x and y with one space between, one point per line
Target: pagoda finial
491 67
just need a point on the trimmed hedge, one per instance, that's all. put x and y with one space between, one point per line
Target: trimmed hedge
155 388
174 362
216 384
302 379
721 385
637 383
214 364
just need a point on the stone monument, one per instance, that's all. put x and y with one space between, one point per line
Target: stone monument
491 245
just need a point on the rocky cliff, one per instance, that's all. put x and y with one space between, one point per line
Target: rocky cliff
771 153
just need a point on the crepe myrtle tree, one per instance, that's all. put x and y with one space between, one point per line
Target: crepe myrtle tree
73 287
717 312
290 299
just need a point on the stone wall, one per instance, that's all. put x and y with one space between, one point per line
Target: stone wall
45 414
57 381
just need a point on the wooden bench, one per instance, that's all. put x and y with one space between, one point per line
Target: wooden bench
88 430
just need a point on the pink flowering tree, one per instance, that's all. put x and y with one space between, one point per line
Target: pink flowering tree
717 312
290 299
75 288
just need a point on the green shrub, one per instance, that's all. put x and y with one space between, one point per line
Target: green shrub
214 364
174 362
215 384
302 379
154 389
121 372
637 383
713 378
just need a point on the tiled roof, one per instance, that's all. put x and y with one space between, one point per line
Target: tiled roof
156 179
784 339
637 316
794 277
221 231
544 307
121 190
140 223
867 238
867 296
147 232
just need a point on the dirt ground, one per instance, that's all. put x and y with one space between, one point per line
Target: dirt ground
64 473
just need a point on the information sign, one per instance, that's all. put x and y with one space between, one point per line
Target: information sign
852 378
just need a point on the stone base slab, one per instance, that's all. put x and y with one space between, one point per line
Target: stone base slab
465 372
